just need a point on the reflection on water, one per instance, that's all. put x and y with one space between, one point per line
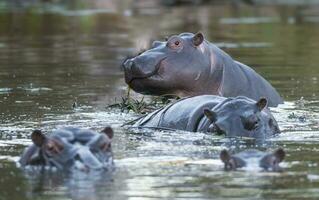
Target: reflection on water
55 54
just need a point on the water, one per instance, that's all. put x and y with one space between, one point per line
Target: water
52 55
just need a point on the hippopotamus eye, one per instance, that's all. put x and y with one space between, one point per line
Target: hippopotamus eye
174 43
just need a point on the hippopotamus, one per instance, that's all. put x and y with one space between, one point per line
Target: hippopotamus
232 116
253 159
70 147
188 65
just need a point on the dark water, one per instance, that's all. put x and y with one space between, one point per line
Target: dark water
52 55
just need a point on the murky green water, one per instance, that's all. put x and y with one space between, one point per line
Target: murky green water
54 55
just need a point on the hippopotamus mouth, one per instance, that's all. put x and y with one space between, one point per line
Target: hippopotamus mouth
129 78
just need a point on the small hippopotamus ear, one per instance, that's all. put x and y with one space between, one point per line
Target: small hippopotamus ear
279 154
211 115
108 131
38 138
198 39
156 44
261 103
224 156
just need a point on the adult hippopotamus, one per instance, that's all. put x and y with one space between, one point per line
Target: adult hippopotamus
253 159
68 148
233 116
189 65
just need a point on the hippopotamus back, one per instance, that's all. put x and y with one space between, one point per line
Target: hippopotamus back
238 116
184 114
189 65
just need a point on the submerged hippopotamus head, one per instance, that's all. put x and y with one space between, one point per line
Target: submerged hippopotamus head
253 160
168 67
242 116
70 147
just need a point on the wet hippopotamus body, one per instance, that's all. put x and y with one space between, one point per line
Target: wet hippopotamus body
68 148
189 65
253 159
232 117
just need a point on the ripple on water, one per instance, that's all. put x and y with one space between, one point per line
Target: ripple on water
176 163
249 20
35 89
82 12
5 90
244 45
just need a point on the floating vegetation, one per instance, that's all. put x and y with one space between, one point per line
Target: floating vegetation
301 118
141 106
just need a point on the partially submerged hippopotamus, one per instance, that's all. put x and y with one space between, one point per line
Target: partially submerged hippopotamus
189 65
253 159
233 116
70 147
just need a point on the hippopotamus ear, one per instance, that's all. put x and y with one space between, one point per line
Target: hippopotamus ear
224 156
198 39
38 138
108 131
279 154
211 115
262 103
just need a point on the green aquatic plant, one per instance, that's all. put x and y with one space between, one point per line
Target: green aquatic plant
141 106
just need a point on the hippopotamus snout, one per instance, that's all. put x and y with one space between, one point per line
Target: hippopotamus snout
143 66
127 66
134 70
250 122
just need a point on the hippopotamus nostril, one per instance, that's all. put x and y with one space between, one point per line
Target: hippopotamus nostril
128 64
134 68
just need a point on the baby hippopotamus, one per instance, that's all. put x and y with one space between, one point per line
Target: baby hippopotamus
238 116
253 160
68 148
188 65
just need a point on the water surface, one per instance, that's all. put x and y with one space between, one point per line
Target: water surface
52 55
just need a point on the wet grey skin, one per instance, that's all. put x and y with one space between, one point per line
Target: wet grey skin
188 65
254 158
232 117
68 148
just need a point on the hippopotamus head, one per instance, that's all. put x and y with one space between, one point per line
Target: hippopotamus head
242 116
167 67
69 147
253 160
